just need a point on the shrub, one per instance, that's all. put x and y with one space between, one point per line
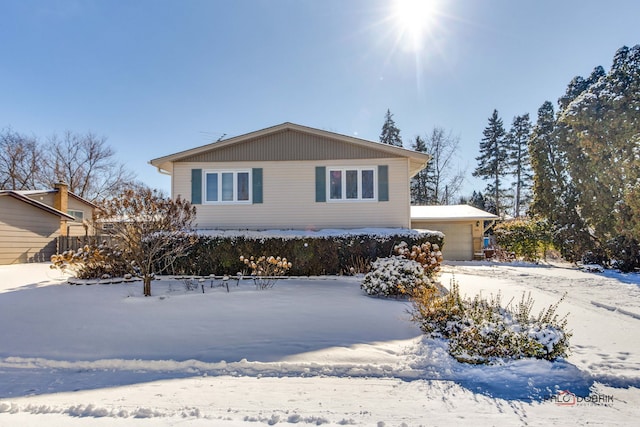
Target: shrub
482 331
427 254
395 276
625 253
92 262
266 270
527 239
311 254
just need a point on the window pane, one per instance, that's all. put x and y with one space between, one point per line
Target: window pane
367 184
243 185
352 184
335 185
78 215
227 187
212 187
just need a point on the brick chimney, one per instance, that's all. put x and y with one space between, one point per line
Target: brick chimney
61 203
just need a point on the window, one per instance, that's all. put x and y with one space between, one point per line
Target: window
78 215
227 186
351 184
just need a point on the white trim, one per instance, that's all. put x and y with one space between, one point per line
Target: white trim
235 200
343 170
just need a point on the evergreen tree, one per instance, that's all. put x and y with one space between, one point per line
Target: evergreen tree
587 165
421 183
477 200
390 132
518 161
547 163
492 162
603 124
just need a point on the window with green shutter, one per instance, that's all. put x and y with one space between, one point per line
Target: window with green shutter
345 183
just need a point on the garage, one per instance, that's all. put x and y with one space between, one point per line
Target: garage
458 239
463 226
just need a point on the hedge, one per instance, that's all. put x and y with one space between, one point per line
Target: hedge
311 254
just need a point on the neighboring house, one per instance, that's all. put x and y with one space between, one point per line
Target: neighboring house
32 221
462 225
295 177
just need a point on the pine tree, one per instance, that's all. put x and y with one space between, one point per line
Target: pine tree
492 162
421 183
546 162
518 161
477 200
390 132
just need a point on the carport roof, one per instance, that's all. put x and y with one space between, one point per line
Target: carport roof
450 213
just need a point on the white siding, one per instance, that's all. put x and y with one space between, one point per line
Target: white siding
289 198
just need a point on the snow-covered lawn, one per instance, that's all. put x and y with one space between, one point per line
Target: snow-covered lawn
311 351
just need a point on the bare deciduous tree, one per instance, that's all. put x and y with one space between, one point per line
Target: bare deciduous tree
443 181
151 230
87 164
20 161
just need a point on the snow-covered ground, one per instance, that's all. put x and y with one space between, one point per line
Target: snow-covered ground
309 351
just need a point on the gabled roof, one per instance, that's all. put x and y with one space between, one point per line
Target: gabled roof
53 191
35 204
417 160
450 213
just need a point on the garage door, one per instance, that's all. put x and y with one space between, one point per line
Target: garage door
458 240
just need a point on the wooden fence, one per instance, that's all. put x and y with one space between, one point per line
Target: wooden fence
73 243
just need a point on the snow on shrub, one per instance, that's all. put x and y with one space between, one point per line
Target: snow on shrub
427 254
394 276
480 330
90 262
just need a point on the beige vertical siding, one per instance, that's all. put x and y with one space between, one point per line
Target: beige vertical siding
289 145
76 228
26 233
289 198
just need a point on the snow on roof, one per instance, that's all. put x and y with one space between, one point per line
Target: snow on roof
449 212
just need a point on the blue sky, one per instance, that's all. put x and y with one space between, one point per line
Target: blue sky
155 77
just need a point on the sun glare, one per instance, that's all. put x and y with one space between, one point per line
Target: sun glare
413 18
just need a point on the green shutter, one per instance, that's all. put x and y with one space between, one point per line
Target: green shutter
256 178
383 183
321 184
196 186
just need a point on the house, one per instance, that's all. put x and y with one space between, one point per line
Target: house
31 222
462 225
295 177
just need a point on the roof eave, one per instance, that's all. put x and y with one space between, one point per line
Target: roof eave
38 205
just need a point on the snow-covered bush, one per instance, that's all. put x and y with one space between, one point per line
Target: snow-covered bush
480 330
427 254
92 261
395 276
